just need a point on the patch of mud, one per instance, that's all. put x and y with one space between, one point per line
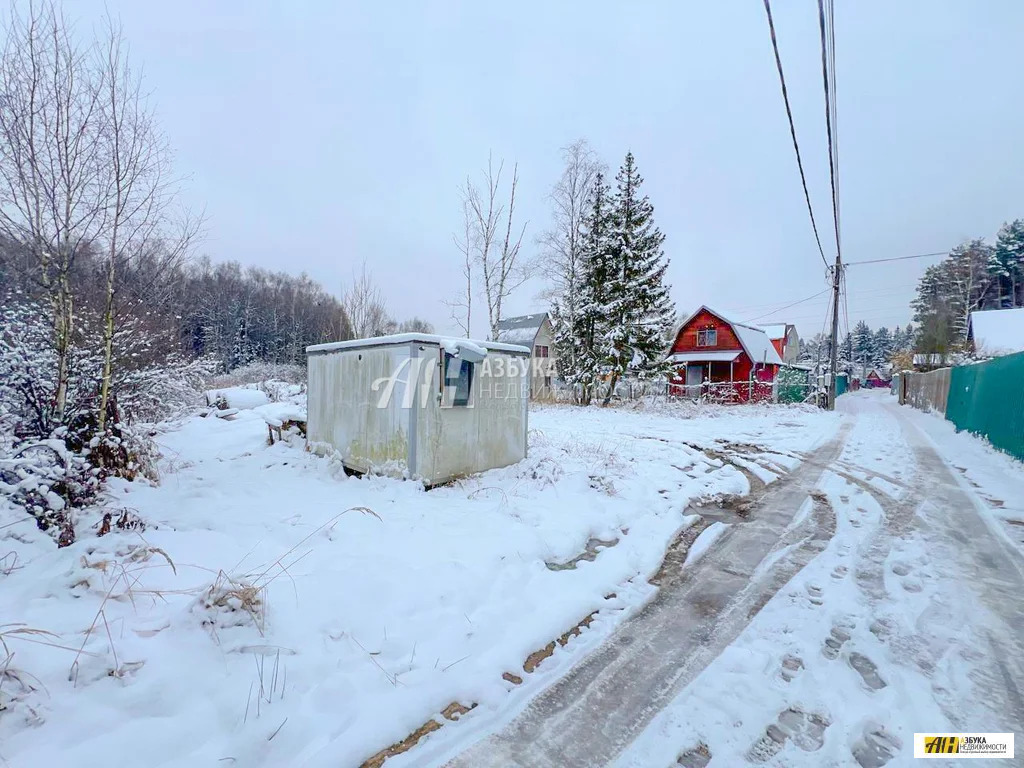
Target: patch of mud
534 659
452 712
594 546
729 508
672 564
698 757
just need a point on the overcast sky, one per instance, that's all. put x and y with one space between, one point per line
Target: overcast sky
320 134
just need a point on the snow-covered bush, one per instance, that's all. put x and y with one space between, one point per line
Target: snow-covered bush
47 480
279 381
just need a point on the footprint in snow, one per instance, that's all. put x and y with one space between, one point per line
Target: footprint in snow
814 593
839 572
806 731
912 585
791 666
901 569
837 638
881 628
698 757
875 747
867 670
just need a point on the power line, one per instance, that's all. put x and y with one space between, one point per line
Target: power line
899 258
781 309
792 130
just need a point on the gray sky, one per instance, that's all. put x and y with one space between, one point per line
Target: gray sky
319 134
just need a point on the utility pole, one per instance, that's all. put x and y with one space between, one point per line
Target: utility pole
837 272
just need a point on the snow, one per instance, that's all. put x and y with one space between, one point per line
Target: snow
774 332
878 637
704 542
998 331
417 338
520 330
688 357
375 604
241 398
373 622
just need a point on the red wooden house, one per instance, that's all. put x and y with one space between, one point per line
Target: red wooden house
723 358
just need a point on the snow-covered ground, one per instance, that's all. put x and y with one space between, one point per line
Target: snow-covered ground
895 628
277 612
314 619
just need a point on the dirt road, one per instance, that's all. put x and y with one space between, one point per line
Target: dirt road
935 603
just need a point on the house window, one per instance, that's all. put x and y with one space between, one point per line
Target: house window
707 337
547 382
458 378
540 351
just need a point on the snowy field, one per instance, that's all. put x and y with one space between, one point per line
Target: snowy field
312 618
276 612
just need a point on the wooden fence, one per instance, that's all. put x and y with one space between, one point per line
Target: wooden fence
926 391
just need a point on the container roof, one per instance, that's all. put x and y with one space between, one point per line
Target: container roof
450 343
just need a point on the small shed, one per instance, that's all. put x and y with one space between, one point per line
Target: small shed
418 405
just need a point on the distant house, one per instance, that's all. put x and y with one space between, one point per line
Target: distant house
996 332
535 332
733 360
784 338
876 378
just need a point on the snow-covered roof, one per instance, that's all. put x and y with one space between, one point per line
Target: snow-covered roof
704 357
998 331
754 340
451 344
522 329
776 331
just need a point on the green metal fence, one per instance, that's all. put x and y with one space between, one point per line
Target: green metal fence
842 384
988 400
792 385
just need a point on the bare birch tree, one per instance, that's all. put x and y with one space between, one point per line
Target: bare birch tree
139 190
461 309
365 307
493 240
561 245
51 162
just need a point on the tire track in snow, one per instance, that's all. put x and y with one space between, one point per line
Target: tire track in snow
589 716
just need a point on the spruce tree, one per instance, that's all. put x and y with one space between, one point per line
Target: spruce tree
1008 265
576 338
883 346
639 309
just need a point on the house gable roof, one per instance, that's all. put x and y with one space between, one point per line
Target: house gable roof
520 330
997 331
754 340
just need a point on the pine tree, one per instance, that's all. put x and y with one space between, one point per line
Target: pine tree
883 347
579 362
908 339
863 345
1008 266
640 311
